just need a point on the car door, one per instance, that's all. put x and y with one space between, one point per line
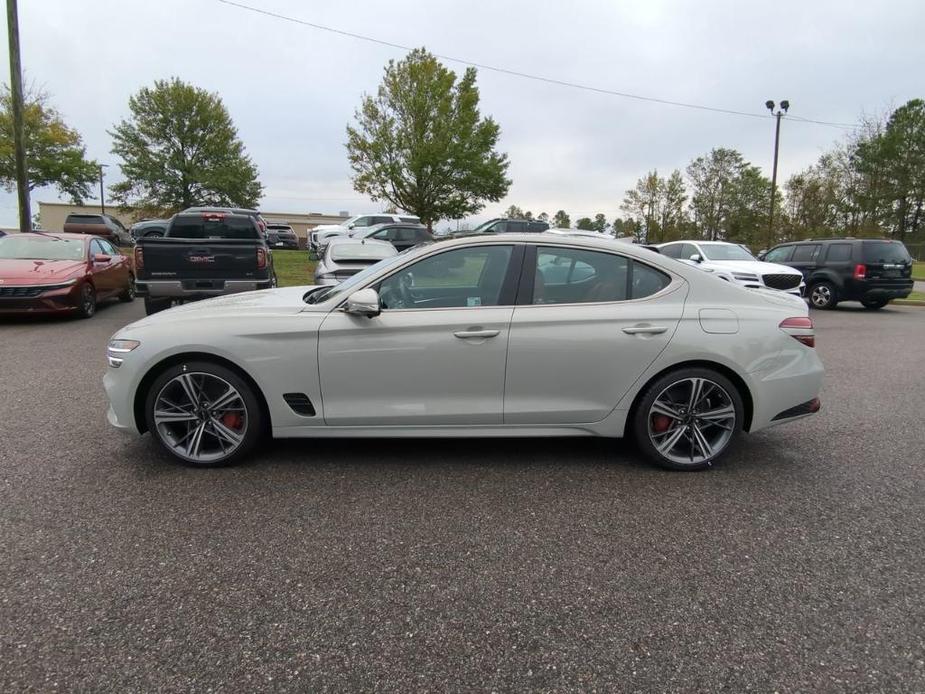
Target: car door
436 353
121 267
581 337
105 273
805 258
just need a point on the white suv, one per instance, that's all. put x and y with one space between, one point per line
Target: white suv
735 264
320 235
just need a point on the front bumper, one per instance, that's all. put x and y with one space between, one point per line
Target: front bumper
62 300
197 289
119 387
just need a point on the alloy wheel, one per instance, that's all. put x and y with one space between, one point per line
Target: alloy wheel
692 421
821 295
201 417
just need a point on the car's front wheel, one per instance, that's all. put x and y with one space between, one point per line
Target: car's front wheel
823 295
87 306
204 414
688 418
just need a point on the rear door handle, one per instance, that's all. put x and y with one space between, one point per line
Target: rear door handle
463 334
645 330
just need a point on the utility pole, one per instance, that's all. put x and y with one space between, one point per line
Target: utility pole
102 193
784 106
19 144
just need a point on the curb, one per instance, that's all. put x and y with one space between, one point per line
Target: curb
906 302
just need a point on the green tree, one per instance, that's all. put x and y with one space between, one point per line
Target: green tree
643 202
180 148
730 197
421 143
55 154
514 212
543 217
561 220
585 223
600 223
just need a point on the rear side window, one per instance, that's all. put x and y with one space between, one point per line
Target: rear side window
575 276
84 219
885 252
213 228
672 251
839 252
802 254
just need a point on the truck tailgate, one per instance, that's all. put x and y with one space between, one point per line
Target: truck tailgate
167 258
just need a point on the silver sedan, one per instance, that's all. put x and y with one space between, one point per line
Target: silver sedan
513 335
344 257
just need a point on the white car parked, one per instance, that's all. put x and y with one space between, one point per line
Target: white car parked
319 236
731 262
501 335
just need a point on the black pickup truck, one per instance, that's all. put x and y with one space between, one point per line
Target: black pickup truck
201 255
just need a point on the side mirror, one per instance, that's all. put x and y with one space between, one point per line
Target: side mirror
761 254
101 258
364 303
696 258
351 226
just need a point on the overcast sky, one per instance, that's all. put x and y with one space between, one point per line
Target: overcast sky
292 89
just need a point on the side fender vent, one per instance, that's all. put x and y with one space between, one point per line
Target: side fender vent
300 404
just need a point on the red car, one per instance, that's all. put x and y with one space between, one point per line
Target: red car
61 273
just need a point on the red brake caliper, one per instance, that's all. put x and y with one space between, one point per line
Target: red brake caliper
232 420
661 423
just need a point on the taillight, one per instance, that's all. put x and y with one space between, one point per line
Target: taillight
261 258
213 216
800 329
860 271
139 258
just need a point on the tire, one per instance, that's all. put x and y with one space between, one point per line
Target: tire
173 418
155 305
874 305
87 306
154 235
823 295
128 295
685 441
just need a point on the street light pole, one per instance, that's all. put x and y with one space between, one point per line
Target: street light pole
784 106
102 194
19 144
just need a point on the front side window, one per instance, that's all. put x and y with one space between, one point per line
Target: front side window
672 251
362 222
461 278
781 254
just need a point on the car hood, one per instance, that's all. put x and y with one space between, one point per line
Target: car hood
755 267
38 271
287 301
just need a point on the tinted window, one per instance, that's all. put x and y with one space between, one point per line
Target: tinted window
781 254
212 228
382 219
687 250
466 277
647 280
84 219
108 248
571 275
364 222
839 252
411 220
804 253
886 252
672 251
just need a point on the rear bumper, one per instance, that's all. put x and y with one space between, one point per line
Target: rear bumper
196 289
877 289
782 391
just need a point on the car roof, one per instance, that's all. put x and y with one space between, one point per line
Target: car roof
392 225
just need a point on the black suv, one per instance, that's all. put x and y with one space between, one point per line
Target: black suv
872 271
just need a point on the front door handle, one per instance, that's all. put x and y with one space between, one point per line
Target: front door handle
463 334
645 330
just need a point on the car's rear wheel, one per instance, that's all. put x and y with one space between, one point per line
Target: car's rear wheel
129 293
204 414
874 305
87 306
688 418
823 295
155 305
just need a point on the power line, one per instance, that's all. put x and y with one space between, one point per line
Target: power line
525 75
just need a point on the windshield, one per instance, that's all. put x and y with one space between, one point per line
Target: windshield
360 251
358 279
40 248
725 252
886 252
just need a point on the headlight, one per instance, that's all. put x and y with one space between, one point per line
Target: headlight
119 347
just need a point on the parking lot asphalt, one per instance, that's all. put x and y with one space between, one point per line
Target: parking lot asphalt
797 564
